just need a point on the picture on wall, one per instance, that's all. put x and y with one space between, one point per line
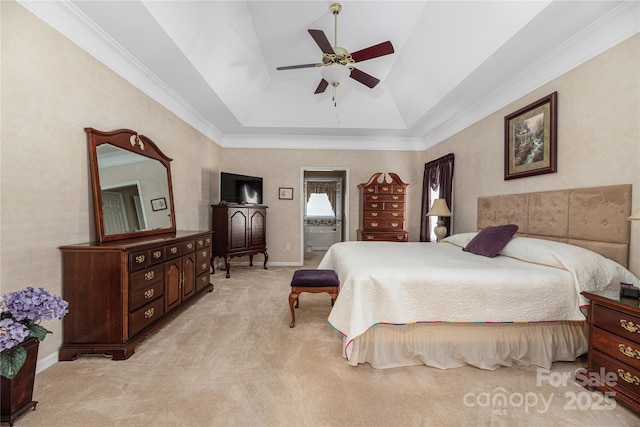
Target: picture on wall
530 139
159 204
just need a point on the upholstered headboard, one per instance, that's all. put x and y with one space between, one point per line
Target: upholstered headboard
594 218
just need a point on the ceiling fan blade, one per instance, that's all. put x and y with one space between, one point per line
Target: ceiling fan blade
322 86
322 40
364 78
381 49
293 67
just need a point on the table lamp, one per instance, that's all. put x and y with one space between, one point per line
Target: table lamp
440 209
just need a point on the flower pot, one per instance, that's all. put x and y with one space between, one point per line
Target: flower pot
17 393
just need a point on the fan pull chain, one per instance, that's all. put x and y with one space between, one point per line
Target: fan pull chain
335 102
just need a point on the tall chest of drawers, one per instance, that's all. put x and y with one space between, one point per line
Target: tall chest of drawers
614 348
383 206
121 291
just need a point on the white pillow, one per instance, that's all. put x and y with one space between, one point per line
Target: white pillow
460 239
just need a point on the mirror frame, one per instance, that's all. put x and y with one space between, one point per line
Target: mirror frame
131 141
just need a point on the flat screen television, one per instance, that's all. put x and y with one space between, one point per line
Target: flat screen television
240 189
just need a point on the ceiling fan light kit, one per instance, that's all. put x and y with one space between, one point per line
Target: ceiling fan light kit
337 63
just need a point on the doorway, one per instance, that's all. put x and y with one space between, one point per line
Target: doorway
324 208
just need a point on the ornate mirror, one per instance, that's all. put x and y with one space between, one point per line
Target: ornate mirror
131 180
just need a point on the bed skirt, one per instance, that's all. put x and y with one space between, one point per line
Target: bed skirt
486 346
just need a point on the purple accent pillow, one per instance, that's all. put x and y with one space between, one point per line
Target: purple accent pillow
490 241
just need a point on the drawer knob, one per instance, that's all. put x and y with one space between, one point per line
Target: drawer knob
140 259
208 240
203 254
385 188
395 205
628 377
629 351
374 224
630 326
394 224
157 254
374 213
200 242
189 245
374 205
400 237
394 213
149 275
369 237
149 293
374 197
204 266
149 313
173 250
395 197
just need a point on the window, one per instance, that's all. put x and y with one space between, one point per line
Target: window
319 205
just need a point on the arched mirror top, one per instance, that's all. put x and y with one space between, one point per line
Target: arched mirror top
131 181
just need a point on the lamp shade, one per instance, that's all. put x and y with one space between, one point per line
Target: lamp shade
335 73
635 215
439 208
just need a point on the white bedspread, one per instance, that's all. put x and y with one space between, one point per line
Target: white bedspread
402 283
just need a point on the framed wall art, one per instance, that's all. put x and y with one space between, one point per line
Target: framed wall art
285 193
530 140
159 204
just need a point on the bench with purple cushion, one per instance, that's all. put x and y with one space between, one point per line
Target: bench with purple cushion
313 281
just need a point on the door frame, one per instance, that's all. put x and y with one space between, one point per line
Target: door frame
346 231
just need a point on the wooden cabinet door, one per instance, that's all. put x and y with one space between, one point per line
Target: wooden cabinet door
172 282
238 220
257 228
188 275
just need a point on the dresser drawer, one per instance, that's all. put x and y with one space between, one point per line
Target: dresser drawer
143 295
203 242
627 378
384 197
145 316
384 237
395 215
203 280
203 255
383 224
624 325
140 279
623 350
139 259
373 206
179 249
396 206
202 266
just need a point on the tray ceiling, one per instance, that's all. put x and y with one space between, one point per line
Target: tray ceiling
213 63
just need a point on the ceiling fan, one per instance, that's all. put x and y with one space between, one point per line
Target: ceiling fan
337 63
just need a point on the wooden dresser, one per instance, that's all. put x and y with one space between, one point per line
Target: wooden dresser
614 348
120 291
383 209
239 230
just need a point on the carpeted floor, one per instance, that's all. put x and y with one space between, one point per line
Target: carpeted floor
232 360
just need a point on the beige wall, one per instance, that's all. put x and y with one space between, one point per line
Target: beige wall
282 168
598 139
51 90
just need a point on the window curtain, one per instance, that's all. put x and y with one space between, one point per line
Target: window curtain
329 188
438 176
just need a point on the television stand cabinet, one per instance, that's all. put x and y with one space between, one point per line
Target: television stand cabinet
238 230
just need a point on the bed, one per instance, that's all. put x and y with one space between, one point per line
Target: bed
403 304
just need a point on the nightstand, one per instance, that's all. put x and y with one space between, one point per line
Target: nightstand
614 348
